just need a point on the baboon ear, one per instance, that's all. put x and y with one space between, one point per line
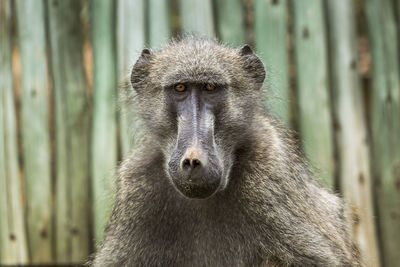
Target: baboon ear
146 53
253 66
140 70
246 50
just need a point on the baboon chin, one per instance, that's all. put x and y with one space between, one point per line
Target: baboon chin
217 181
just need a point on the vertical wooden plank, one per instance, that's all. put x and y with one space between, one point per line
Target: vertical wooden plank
4 64
271 43
12 224
35 128
230 21
35 134
18 247
385 117
72 131
159 22
4 227
197 17
130 41
104 136
351 130
313 90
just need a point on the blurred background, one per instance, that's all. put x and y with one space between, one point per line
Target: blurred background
332 76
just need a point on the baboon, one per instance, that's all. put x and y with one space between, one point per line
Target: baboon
217 181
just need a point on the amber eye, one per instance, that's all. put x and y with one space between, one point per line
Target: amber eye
210 87
180 87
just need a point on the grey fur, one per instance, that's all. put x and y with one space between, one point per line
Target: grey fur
270 212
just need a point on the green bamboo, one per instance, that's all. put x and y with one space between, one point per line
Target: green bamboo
104 130
230 21
72 131
271 43
197 17
351 130
130 42
313 91
12 224
35 128
385 117
159 22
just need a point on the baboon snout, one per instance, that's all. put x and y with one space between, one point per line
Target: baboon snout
195 175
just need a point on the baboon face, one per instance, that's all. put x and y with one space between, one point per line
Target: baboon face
198 98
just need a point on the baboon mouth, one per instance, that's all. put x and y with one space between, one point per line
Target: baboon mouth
196 191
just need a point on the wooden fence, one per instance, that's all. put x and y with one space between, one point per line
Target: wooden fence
332 75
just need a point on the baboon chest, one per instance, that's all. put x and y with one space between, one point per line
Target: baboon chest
196 238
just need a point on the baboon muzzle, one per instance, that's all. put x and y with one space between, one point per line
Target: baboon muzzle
195 167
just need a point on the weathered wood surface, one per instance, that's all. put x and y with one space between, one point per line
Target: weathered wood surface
351 129
314 104
35 128
159 29
72 131
104 129
271 43
230 20
197 17
130 36
13 246
385 119
4 227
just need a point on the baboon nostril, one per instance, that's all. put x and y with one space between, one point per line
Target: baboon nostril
186 163
190 163
195 163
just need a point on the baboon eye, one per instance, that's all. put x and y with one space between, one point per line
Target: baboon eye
210 87
180 87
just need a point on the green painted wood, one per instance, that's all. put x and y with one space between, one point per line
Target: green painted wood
351 131
72 131
4 63
230 22
12 222
130 42
385 118
17 249
4 227
197 17
159 30
313 87
271 44
35 128
104 130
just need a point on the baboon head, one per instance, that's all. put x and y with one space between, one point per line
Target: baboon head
198 98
